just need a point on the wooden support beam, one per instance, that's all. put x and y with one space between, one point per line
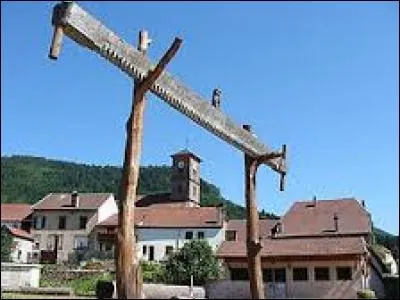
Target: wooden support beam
252 228
56 42
128 275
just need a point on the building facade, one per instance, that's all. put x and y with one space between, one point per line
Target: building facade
318 249
63 222
160 231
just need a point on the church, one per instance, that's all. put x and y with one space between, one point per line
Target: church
164 222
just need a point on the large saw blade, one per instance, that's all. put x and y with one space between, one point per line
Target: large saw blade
89 32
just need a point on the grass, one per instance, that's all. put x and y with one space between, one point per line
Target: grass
85 286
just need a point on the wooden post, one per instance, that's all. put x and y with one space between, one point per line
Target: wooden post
252 228
127 266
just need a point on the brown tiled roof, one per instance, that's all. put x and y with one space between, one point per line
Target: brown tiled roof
158 200
19 233
169 217
312 246
239 226
305 219
63 201
186 152
15 211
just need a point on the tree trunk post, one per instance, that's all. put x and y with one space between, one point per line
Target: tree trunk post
128 273
252 228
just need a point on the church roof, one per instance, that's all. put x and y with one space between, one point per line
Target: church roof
186 152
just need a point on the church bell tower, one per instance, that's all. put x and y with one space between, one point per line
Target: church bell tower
185 179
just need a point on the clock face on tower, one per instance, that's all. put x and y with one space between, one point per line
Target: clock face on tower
181 164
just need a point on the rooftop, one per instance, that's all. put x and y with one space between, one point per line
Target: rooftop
172 217
62 201
15 212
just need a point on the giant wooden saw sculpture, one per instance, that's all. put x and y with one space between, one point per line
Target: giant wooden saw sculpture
71 20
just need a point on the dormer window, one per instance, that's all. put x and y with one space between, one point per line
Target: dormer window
230 235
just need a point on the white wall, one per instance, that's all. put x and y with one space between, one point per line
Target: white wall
159 238
20 275
107 209
22 246
14 224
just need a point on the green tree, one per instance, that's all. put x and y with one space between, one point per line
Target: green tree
194 258
7 244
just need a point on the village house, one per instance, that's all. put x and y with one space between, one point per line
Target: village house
16 220
64 221
318 249
16 215
161 230
22 244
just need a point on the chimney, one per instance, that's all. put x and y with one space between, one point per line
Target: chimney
314 200
276 229
335 221
75 199
220 213
279 227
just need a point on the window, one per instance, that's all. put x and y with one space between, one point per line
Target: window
52 240
80 242
35 222
108 246
82 222
19 254
168 250
62 222
151 253
60 242
194 191
239 274
189 235
36 238
300 274
267 275
200 235
144 250
101 246
343 273
321 273
280 275
230 235
194 172
43 222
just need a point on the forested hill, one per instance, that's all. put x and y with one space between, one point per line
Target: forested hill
27 179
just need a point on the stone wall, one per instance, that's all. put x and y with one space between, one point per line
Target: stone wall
20 275
238 289
165 291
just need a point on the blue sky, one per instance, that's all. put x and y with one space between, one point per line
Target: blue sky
321 77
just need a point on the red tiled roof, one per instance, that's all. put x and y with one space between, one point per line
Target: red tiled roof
239 226
312 246
19 233
304 220
158 200
63 201
15 211
172 217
